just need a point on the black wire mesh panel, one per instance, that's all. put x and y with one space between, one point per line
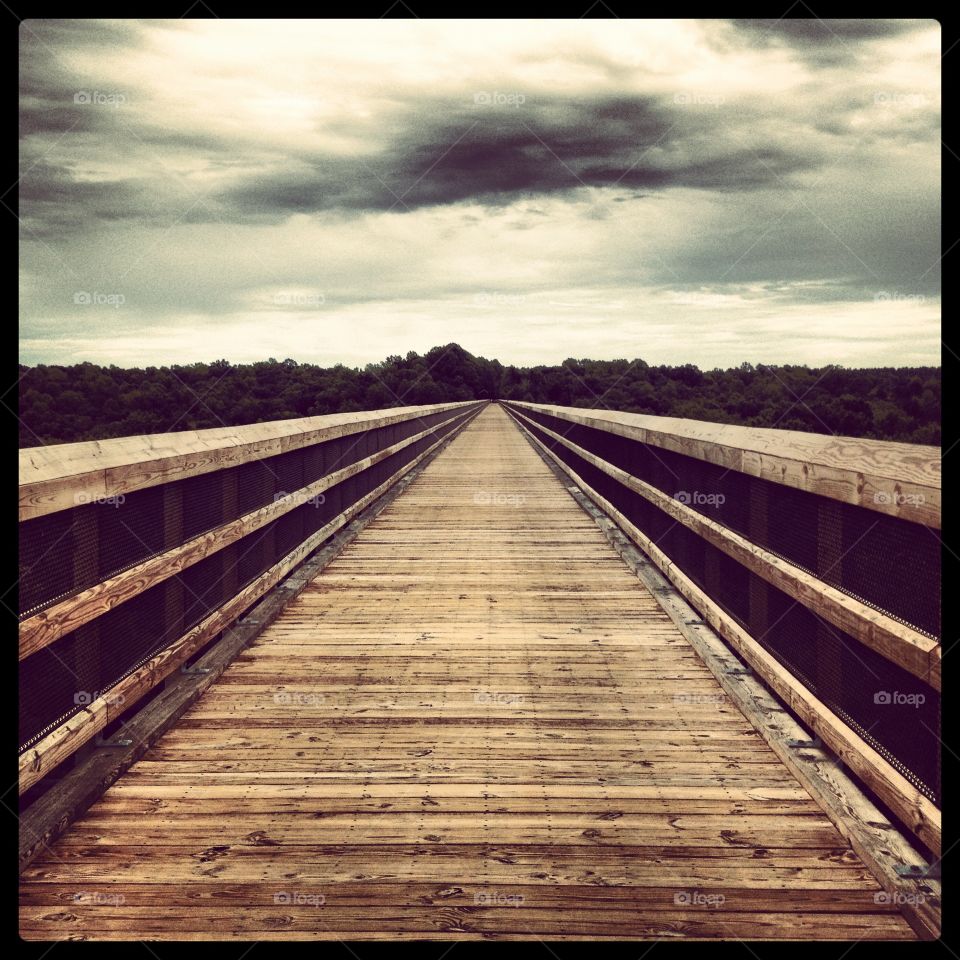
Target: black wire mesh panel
892 710
907 554
60 679
41 579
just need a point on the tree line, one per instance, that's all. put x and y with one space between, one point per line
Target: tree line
60 404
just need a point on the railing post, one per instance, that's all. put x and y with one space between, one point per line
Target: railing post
230 512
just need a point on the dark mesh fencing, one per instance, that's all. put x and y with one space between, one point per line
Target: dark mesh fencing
890 708
60 679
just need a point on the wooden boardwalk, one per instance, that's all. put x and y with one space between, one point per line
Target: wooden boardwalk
475 723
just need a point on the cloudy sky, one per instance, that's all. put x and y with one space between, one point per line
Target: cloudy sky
685 191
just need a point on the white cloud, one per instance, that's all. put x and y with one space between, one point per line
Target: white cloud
235 199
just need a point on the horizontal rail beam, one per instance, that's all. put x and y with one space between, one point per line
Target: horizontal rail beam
898 479
871 834
48 625
49 752
64 475
52 813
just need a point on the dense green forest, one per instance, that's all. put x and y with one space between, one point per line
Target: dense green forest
86 401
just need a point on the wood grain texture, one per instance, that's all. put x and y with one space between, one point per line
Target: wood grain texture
63 475
476 723
872 835
56 746
898 479
51 814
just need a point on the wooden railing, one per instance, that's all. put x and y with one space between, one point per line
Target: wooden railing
815 557
137 552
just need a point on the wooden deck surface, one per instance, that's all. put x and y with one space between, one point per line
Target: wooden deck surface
475 723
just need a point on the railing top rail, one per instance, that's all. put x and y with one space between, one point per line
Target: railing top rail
59 476
899 479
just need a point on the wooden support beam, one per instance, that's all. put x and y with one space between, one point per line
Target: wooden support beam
60 743
874 838
50 815
52 477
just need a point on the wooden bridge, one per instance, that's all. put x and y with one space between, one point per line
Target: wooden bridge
472 698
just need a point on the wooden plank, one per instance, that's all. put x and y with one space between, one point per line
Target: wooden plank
54 477
60 743
46 819
870 832
897 479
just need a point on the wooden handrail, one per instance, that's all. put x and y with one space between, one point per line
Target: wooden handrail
897 479
62 475
64 739
43 628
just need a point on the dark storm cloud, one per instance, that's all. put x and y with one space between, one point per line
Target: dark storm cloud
433 154
700 177
824 42
59 35
54 202
812 31
494 156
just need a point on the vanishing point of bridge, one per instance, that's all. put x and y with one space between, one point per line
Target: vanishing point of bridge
468 696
